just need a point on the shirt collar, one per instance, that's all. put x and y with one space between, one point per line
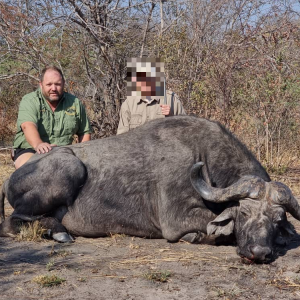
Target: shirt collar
148 101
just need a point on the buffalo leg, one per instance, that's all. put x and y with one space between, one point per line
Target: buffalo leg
56 230
178 224
10 227
3 193
45 183
201 238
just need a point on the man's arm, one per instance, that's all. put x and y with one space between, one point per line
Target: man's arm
124 118
84 138
177 106
33 138
84 131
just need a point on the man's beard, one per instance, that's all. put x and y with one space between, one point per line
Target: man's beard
53 101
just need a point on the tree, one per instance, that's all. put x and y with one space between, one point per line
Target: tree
236 61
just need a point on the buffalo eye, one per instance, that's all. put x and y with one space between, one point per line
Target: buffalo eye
278 215
245 212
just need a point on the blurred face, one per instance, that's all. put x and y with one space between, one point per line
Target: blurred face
145 77
144 84
52 86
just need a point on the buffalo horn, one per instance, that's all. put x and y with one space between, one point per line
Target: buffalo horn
280 194
246 187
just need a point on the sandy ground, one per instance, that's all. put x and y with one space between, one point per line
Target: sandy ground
126 268
122 267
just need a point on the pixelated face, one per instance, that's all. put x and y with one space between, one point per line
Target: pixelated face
145 77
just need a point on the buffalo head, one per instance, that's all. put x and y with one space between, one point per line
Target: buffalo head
256 213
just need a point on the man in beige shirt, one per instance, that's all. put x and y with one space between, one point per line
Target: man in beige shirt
147 98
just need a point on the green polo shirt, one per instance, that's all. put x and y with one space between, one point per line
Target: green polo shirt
58 127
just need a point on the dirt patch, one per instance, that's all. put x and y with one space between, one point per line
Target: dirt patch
122 267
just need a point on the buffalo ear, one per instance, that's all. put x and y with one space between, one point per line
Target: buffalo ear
285 233
223 224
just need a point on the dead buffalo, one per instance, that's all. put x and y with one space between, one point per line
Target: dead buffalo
180 177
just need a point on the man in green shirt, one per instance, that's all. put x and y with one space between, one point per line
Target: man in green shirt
49 117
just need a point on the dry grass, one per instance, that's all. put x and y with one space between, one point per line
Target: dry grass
6 167
159 276
291 178
59 253
232 292
5 155
48 280
286 283
31 231
165 255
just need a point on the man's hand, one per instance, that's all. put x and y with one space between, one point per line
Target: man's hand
33 138
44 148
165 109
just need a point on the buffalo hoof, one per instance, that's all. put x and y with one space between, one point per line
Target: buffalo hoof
62 237
194 238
